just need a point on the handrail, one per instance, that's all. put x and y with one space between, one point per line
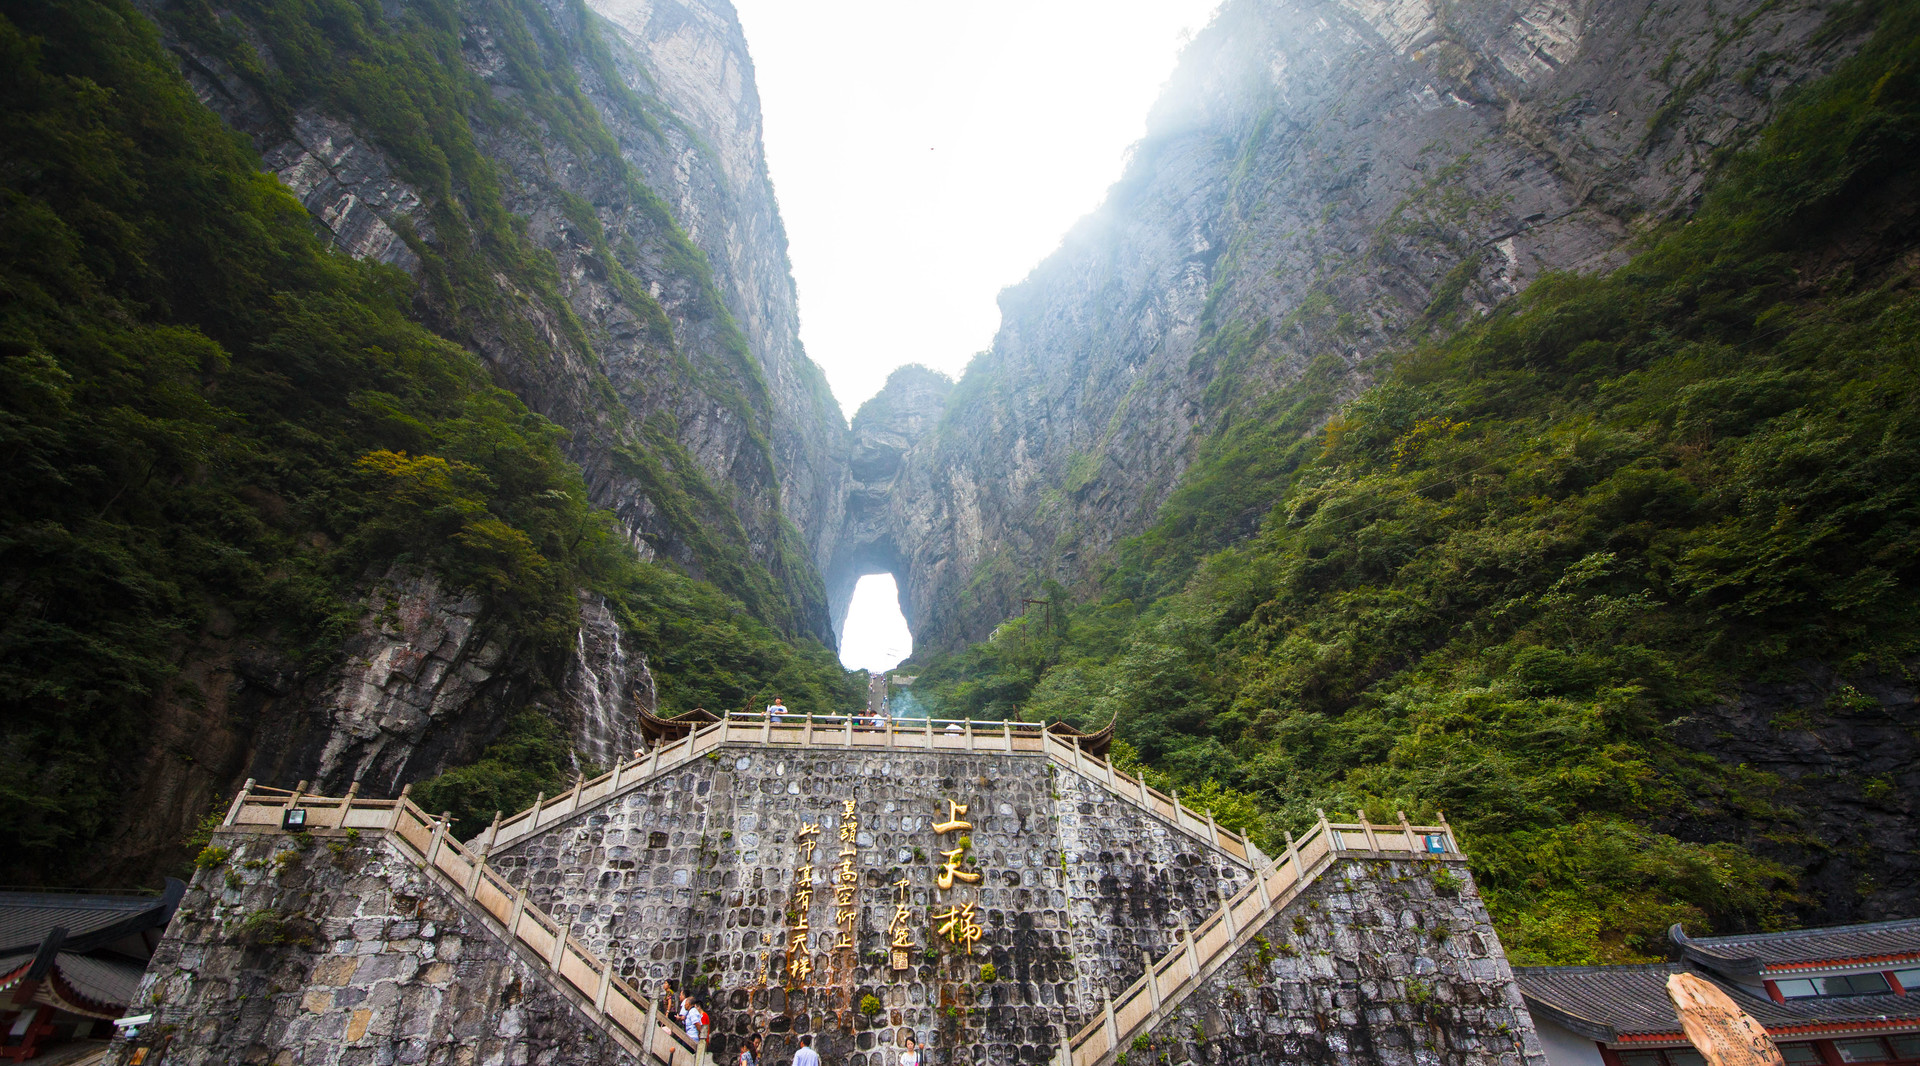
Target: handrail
1207 947
631 1018
848 731
999 738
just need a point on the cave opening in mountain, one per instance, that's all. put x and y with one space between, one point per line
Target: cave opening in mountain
874 635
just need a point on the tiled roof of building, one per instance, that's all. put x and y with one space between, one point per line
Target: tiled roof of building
1751 952
103 980
25 917
1615 1002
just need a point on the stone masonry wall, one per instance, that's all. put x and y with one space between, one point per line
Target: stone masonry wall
1378 963
691 877
330 951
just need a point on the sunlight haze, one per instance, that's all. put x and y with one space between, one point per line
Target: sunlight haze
926 156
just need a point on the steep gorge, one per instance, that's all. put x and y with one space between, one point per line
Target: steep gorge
1323 182
1324 496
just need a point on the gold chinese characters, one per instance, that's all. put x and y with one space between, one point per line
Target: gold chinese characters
957 925
799 951
845 879
950 870
901 928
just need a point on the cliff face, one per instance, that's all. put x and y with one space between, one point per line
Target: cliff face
1322 182
656 322
589 211
885 429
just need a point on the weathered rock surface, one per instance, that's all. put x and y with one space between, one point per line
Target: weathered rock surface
343 952
1848 756
884 429
1378 962
691 879
1322 180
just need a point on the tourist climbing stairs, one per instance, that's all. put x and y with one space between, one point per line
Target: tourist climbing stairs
633 1020
1202 951
848 733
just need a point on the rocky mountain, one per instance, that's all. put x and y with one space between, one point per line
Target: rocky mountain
576 196
1323 181
647 307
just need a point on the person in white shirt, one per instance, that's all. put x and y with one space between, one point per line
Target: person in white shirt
777 709
910 1055
806 1056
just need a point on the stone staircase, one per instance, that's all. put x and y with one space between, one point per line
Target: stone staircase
840 732
1204 950
635 1022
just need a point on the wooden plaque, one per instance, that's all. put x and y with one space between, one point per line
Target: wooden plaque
1717 1027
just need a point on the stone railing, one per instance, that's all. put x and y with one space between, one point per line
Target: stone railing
957 736
1202 951
630 1018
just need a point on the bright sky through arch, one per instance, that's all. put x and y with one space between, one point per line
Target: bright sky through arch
927 155
876 635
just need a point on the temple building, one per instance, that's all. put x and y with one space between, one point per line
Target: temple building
1829 997
70 962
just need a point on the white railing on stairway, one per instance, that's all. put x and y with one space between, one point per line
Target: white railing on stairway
632 1019
1203 950
850 732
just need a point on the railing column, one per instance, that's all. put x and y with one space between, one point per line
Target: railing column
1366 829
1213 831
439 834
1299 867
653 1024
513 918
1146 796
653 759
533 822
1233 931
766 729
1153 986
806 734
1407 828
1009 728
606 983
849 740
399 806
559 942
969 735
1112 1030
1193 951
1066 1042
1453 845
1336 841
1260 881
239 801
579 782
929 720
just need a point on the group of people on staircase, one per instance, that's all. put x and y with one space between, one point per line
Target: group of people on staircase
699 1029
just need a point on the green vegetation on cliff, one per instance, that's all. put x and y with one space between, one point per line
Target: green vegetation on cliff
205 412
1495 581
404 77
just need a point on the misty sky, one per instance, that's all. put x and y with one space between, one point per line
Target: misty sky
927 155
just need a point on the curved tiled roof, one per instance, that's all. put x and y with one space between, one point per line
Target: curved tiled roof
1622 1002
1801 948
102 980
27 917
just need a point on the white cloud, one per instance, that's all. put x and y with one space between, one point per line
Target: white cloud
926 155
